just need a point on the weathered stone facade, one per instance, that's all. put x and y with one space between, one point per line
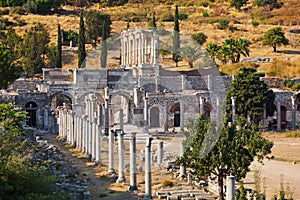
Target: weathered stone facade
147 94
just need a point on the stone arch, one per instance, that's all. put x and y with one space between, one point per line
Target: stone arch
31 108
208 109
154 117
175 110
120 100
59 98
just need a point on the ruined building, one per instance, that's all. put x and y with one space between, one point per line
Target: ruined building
148 95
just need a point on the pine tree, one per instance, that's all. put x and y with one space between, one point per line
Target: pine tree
81 43
176 38
59 48
104 46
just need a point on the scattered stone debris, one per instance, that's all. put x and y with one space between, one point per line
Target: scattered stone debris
68 180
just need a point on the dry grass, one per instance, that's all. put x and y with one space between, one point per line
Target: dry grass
240 23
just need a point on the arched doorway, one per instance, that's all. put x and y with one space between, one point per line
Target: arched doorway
31 109
59 100
206 112
154 117
175 109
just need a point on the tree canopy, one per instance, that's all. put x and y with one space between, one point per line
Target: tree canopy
234 149
94 21
176 38
238 4
81 42
251 95
200 38
34 49
275 37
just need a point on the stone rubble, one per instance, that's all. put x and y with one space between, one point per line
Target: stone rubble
68 180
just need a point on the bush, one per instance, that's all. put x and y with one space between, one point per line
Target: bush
167 183
205 14
166 17
223 24
17 10
182 16
255 23
296 86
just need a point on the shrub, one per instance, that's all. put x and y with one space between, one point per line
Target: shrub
296 86
255 23
182 16
223 24
167 17
205 14
17 10
167 183
4 11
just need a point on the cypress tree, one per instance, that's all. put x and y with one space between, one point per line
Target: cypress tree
152 23
176 38
104 46
81 43
59 48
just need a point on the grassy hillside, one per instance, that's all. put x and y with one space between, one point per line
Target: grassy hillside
202 17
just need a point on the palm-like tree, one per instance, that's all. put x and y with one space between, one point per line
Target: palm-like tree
230 45
191 53
212 50
242 47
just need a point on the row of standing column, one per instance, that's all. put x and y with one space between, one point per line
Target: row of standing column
278 109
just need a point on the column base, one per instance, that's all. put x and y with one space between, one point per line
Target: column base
121 179
111 172
132 188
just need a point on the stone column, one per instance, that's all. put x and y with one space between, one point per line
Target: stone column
84 133
293 112
46 118
182 168
106 121
72 129
233 99
60 125
99 114
79 133
146 114
166 116
278 116
218 111
98 145
148 181
133 185
121 119
201 103
121 177
160 152
230 183
111 169
181 114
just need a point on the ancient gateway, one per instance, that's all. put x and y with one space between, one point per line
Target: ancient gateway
139 92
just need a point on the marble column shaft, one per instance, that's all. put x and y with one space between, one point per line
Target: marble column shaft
133 182
182 168
293 112
201 103
160 152
111 169
148 181
146 115
230 183
278 116
233 99
121 119
165 116
121 177
181 115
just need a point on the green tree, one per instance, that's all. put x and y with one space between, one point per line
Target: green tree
232 153
52 56
8 71
272 3
238 4
200 38
103 47
59 48
242 195
34 49
275 37
152 22
81 42
191 54
236 48
251 94
176 38
212 49
94 21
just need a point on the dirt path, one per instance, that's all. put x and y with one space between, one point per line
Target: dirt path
98 182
